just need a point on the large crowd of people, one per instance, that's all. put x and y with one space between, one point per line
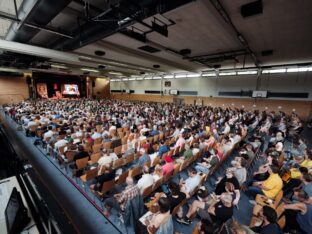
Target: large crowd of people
166 154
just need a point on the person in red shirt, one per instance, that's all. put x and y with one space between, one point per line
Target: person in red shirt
168 167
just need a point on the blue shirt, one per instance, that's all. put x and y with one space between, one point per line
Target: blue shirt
143 159
155 132
162 149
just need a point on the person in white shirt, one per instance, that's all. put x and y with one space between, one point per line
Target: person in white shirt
96 135
146 179
48 134
188 185
60 143
180 141
105 159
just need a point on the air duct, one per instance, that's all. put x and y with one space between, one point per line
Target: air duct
39 12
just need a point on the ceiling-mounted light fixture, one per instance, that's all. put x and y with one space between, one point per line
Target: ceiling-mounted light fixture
62 66
193 75
89 70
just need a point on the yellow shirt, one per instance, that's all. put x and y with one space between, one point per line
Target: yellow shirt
295 173
306 163
274 184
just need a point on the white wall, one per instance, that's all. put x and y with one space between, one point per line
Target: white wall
210 86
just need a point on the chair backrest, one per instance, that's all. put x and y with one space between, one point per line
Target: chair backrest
151 139
98 141
157 184
176 150
168 176
33 128
108 185
122 178
118 163
176 209
176 169
281 222
118 149
278 198
70 155
82 163
129 159
89 175
62 149
148 164
136 171
184 165
96 148
280 209
156 137
147 191
124 140
155 162
107 145
94 158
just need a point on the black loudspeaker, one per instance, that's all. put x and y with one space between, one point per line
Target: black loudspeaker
252 8
93 83
28 80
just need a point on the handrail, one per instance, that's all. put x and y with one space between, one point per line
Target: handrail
85 216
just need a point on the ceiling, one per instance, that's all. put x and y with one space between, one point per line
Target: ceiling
202 35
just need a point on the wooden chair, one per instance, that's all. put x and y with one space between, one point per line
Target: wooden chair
122 178
39 133
176 169
33 128
135 171
124 140
96 148
117 150
107 145
118 163
282 222
90 174
98 141
176 209
151 139
61 150
94 158
148 164
129 159
184 165
156 137
280 209
167 177
262 200
155 147
176 150
82 163
157 184
107 186
147 191
156 161
70 155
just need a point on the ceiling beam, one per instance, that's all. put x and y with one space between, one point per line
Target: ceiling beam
219 7
141 55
